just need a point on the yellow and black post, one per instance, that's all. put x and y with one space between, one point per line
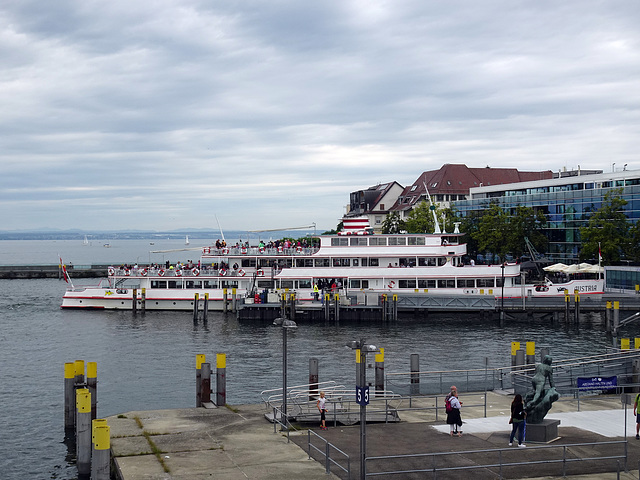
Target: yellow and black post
69 396
92 385
221 379
83 431
101 450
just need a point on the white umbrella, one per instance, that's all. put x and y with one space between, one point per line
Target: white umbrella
592 269
556 267
573 269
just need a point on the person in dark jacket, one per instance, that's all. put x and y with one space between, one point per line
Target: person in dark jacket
453 416
518 421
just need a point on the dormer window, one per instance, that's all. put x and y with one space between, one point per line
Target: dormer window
414 187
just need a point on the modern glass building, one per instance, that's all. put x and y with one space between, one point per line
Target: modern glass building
567 202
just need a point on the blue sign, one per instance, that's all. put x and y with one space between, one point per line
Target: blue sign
597 383
362 395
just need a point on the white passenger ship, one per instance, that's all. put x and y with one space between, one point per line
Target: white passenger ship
351 264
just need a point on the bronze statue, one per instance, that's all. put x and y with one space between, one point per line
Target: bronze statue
538 402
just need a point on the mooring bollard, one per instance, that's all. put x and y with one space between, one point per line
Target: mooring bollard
196 300
567 306
380 371
101 450
313 378
143 300
414 361
79 366
395 308
205 310
616 317
205 394
134 300
327 314
234 300
224 300
92 385
337 307
607 317
531 353
200 359
69 396
221 379
515 346
83 431
577 308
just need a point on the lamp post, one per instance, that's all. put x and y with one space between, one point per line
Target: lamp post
362 396
286 324
502 295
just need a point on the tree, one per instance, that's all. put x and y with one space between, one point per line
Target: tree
339 227
607 230
526 223
420 219
393 223
493 232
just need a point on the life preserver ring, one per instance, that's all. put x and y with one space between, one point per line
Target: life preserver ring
111 271
261 249
241 273
195 272
143 272
279 249
178 272
298 249
392 284
260 272
127 272
161 273
223 272
243 250
225 251
206 250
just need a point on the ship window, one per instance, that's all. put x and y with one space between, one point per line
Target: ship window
192 284
499 282
322 262
265 284
304 283
441 261
397 241
210 284
248 263
174 284
374 262
229 284
158 284
377 241
407 262
407 284
446 283
427 261
339 242
364 262
466 283
354 262
415 241
426 284
286 284
357 241
484 282
304 262
354 284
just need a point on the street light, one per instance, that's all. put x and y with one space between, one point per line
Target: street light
286 324
362 396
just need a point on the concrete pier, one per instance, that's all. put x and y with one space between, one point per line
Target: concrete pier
239 443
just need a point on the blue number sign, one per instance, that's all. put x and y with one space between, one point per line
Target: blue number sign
362 395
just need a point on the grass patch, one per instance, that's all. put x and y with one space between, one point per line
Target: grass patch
121 416
154 448
234 410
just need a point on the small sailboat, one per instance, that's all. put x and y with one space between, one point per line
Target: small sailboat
85 241
186 240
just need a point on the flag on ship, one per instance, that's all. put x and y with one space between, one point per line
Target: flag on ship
64 272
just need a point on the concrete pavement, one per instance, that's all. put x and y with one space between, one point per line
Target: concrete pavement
239 443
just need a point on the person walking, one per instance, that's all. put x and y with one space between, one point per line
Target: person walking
322 407
454 419
518 421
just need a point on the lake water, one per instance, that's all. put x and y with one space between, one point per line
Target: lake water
148 362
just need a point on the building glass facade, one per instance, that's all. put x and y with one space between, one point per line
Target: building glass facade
566 202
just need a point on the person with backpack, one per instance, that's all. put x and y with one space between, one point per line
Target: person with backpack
452 407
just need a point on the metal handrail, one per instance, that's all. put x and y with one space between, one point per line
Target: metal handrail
327 454
434 469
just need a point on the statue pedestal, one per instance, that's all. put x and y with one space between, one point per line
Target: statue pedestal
542 432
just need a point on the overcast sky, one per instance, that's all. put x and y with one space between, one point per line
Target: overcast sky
165 114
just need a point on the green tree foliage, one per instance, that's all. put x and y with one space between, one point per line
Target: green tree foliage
608 228
393 223
420 219
339 227
496 231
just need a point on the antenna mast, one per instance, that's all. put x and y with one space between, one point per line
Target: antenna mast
432 207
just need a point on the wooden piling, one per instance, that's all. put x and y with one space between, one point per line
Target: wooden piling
221 379
196 300
92 385
379 375
313 378
224 300
200 359
83 431
101 450
414 361
69 396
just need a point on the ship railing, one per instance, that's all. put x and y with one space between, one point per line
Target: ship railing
258 251
192 272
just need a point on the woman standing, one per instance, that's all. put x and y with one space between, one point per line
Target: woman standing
518 421
453 415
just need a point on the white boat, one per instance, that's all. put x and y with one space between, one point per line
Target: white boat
351 265
186 240
85 241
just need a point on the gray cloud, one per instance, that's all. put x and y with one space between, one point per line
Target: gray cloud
164 114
